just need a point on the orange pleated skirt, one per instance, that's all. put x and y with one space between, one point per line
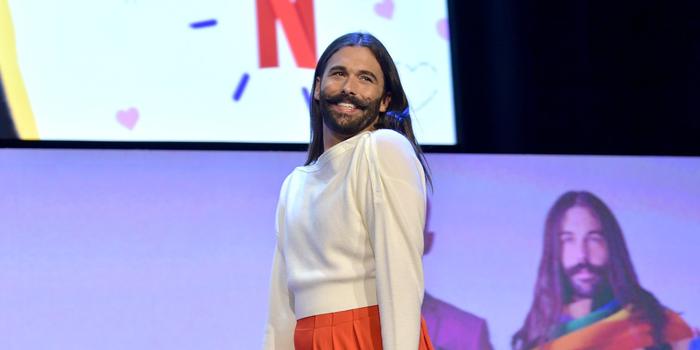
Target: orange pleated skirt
356 329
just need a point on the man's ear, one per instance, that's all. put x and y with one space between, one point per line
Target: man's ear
317 89
385 103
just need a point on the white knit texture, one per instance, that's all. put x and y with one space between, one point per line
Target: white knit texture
350 235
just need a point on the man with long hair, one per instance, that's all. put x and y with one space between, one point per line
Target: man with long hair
587 295
347 271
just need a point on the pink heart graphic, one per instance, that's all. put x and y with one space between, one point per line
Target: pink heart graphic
128 118
385 9
443 29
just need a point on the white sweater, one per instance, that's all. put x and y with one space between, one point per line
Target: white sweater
350 235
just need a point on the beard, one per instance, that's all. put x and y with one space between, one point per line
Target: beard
343 123
591 288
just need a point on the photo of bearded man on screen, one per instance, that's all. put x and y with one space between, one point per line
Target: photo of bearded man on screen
587 294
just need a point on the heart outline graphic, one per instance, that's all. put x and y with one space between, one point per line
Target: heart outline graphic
409 74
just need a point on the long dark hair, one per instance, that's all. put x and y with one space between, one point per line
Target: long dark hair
397 117
551 292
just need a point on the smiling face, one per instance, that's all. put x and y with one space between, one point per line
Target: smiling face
351 91
584 251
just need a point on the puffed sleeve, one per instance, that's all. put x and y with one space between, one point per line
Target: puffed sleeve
395 217
279 330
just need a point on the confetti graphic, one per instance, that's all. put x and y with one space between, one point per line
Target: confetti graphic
307 97
128 118
203 24
443 29
385 9
241 86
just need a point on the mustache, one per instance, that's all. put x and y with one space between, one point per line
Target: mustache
598 270
341 97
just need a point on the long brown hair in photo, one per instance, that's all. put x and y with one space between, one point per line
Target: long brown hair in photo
552 292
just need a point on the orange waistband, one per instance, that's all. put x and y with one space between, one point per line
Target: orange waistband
334 318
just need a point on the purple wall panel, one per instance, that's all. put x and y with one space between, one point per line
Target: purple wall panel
172 249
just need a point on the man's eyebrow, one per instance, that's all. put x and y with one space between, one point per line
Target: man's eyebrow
337 68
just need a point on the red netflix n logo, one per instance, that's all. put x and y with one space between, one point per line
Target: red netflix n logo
298 24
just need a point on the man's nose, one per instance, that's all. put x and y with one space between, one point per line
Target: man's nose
350 86
581 252
585 252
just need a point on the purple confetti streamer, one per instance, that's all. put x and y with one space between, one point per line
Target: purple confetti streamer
241 86
307 97
203 24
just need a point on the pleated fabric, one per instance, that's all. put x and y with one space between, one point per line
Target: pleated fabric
356 329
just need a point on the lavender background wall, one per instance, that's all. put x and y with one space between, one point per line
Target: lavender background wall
115 249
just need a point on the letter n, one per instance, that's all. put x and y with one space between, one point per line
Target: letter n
298 24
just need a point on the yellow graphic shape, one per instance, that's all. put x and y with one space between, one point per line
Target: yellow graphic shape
15 92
